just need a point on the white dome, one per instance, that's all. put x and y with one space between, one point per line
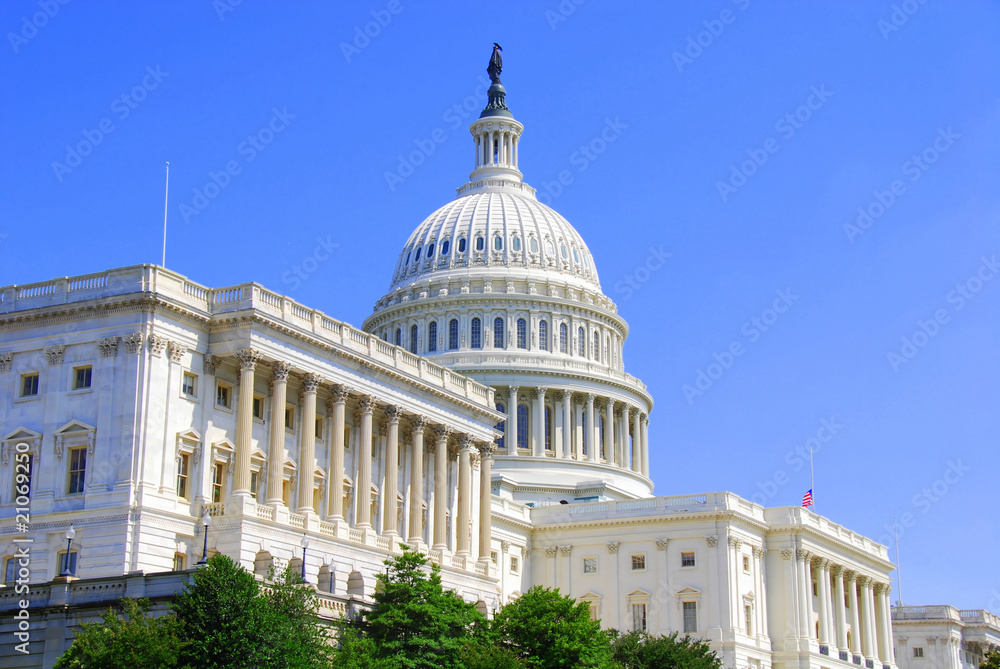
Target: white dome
497 228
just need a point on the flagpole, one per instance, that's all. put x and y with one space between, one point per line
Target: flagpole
166 195
812 482
899 581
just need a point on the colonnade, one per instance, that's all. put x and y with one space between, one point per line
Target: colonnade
443 449
497 147
562 424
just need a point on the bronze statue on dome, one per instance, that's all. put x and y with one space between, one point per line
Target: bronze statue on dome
496 64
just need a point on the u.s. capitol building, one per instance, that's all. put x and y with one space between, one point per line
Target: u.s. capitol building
483 414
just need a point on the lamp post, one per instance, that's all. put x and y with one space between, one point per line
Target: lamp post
305 544
70 533
206 520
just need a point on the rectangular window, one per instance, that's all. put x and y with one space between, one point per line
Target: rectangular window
189 384
590 565
319 430
183 463
290 419
22 476
77 469
286 492
223 395
594 611
317 500
639 617
687 558
180 562
638 563
72 562
218 481
29 385
513 564
918 651
815 589
82 377
493 557
254 482
748 618
10 570
690 617
258 407
746 564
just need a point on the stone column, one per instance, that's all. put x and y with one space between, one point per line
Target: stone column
441 488
363 493
636 441
485 500
644 424
248 359
307 455
609 430
276 448
621 435
838 606
567 433
390 523
463 543
872 621
417 481
593 448
510 437
338 409
883 641
866 621
890 655
822 601
805 593
538 394
852 594
578 431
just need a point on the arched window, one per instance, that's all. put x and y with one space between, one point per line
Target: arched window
597 346
399 337
430 250
480 244
445 247
461 245
413 339
533 245
581 343
477 333
516 244
543 335
408 257
416 258
501 427
548 428
563 336
432 337
522 333
453 334
498 338
522 426
498 243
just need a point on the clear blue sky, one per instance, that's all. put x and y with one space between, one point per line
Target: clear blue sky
896 115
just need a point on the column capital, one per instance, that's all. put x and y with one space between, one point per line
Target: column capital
310 382
878 588
758 551
787 553
418 422
565 550
735 542
442 432
837 570
279 371
567 394
338 393
849 575
613 547
465 441
248 358
393 412
661 544
863 580
538 392
486 449
366 403
591 397
210 363
801 554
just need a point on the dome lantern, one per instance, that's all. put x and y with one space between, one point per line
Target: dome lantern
496 133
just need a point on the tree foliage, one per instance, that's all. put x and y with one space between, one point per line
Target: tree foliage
991 661
638 650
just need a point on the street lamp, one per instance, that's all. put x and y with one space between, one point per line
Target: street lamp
70 533
305 544
206 520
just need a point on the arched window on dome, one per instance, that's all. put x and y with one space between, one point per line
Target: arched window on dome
550 250
498 339
597 346
522 426
501 427
543 335
563 336
600 436
576 256
562 251
399 337
432 337
416 258
445 247
408 257
548 428
480 243
515 244
533 245
522 333
453 334
477 333
461 245
581 344
498 243
430 250
413 339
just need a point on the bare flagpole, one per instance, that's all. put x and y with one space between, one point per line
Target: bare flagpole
899 581
812 481
166 194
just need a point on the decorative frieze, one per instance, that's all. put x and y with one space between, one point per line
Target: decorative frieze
55 354
108 347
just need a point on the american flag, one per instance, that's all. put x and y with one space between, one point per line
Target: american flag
807 499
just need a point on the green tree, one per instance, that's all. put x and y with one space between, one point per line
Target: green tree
992 660
134 641
550 631
638 650
485 654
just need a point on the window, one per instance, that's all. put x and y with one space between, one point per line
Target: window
562 251
461 245
690 617
748 618
563 336
180 562
590 565
432 337
576 256
77 469
10 570
218 482
638 563
286 492
254 482
639 617
746 564
413 339
62 566
548 428
498 243
918 651
595 611
515 244
29 385
498 338
687 558
513 564
183 465
543 335
522 426
815 589
399 337
189 384
493 554
223 395
319 428
290 418
522 333
430 250
82 377
477 333
258 407
533 245
581 343
416 258
22 476
597 346
453 334
584 421
600 436
480 244
501 427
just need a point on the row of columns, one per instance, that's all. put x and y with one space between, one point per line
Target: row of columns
507 141
570 432
439 448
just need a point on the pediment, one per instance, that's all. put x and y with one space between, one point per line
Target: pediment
75 426
189 435
22 434
689 591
